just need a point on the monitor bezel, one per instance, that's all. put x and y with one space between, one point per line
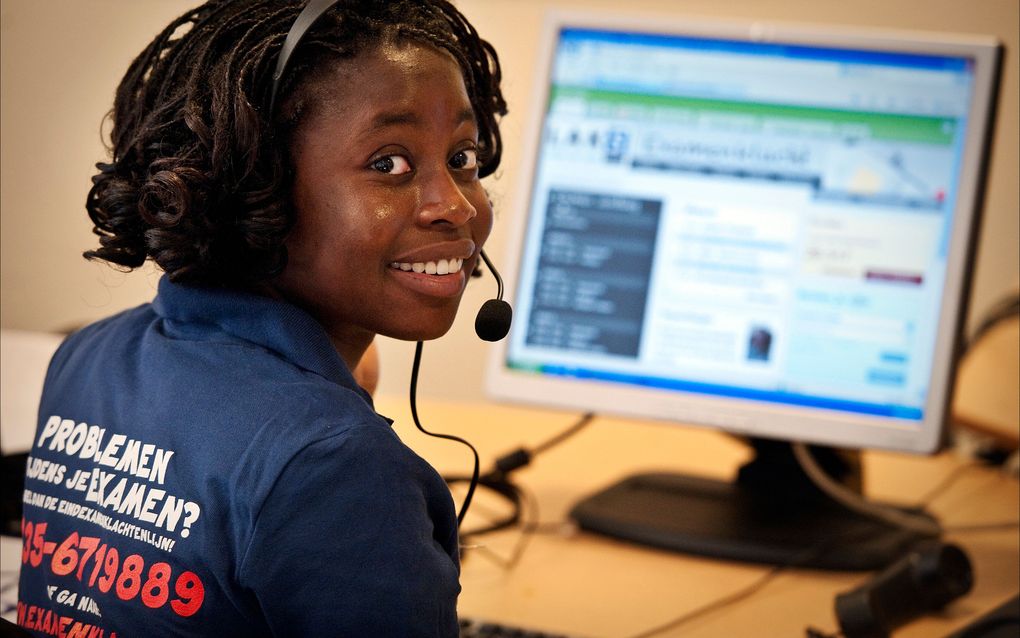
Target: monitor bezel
750 417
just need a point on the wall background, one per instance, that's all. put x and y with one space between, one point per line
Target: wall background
60 61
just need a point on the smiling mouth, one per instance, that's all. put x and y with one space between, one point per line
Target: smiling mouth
441 267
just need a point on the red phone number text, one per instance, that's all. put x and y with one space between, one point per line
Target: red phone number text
125 577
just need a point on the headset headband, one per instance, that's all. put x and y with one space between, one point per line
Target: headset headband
308 16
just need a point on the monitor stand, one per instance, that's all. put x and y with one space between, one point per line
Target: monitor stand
772 513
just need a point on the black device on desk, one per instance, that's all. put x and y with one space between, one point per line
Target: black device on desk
925 580
758 227
477 628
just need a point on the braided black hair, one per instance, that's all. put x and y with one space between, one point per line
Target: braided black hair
200 176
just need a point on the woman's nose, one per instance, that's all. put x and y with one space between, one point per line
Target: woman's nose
443 202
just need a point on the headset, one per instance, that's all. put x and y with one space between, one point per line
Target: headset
494 317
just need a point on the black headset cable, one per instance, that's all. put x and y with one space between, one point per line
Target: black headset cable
450 437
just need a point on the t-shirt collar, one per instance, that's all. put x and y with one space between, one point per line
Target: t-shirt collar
276 325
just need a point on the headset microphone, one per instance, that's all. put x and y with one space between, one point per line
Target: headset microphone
494 317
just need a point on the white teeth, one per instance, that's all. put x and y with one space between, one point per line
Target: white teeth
441 267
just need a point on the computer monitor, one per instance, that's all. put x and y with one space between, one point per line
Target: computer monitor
763 228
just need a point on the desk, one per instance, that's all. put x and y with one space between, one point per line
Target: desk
592 586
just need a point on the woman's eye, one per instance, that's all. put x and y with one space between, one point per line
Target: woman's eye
466 159
392 165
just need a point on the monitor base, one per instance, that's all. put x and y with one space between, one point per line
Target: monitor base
793 525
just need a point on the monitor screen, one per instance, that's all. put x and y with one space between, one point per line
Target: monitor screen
762 228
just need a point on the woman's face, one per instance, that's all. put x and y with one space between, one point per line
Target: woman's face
390 211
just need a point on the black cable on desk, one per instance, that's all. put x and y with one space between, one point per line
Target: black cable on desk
497 479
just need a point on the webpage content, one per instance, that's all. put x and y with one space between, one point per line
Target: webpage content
717 231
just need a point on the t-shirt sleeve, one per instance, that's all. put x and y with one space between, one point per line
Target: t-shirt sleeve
356 538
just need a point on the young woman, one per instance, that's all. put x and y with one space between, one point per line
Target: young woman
207 464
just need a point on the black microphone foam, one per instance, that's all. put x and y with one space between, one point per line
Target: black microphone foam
493 320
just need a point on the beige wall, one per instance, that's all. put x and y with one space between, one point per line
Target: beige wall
61 60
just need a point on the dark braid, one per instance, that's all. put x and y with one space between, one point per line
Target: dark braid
200 176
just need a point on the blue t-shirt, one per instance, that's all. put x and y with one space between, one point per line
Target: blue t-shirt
207 465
